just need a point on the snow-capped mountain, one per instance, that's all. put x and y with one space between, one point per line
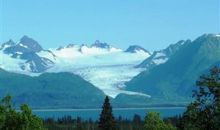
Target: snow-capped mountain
103 65
99 44
7 44
136 49
76 51
24 53
160 57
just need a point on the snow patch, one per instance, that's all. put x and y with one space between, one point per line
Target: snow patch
23 45
160 61
47 54
142 52
115 50
19 53
10 64
67 53
160 54
135 93
5 46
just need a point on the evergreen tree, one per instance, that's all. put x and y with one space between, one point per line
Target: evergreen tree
136 122
79 125
204 112
136 119
106 120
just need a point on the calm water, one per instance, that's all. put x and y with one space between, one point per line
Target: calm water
126 113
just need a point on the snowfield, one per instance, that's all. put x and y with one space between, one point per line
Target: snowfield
8 63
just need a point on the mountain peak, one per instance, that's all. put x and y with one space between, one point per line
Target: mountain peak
208 36
160 57
135 49
172 48
30 43
184 65
60 48
99 44
70 45
9 42
25 37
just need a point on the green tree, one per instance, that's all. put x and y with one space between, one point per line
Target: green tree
10 119
106 120
204 112
79 125
30 121
154 122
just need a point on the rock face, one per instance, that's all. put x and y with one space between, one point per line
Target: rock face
7 44
160 57
26 49
30 44
99 44
135 49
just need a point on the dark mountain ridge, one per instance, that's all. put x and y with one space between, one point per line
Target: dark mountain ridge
174 80
50 90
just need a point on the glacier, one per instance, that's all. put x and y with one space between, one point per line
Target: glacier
105 66
107 70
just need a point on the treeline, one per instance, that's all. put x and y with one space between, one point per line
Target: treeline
68 123
202 114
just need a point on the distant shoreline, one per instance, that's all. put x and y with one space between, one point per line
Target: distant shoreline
97 109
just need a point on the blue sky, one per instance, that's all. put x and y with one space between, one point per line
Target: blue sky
153 24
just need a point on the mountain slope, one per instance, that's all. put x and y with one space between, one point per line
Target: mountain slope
50 90
160 57
136 49
174 80
25 51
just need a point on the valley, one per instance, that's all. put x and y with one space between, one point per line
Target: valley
132 78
